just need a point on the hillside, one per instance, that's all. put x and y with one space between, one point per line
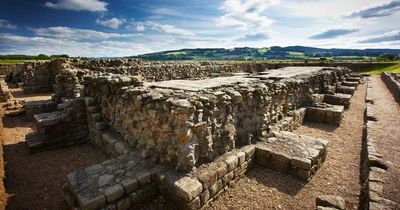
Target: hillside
276 52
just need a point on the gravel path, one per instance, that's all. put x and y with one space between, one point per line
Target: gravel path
266 189
35 181
386 133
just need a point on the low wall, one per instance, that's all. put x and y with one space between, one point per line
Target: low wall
184 128
373 166
392 82
8 69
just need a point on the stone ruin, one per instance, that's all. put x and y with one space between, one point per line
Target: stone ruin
182 130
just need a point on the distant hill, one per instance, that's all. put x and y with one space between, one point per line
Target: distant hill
275 52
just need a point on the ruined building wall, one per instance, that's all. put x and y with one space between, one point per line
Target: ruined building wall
184 128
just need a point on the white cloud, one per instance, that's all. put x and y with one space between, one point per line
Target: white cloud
391 36
166 28
113 23
6 24
246 15
15 44
76 34
79 5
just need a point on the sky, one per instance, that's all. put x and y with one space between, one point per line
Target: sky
105 28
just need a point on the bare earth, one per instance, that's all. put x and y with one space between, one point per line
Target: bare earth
386 133
266 189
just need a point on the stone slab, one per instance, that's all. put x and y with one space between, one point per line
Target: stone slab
198 85
298 155
288 72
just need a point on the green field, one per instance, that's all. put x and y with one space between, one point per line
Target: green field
11 61
263 50
176 53
379 68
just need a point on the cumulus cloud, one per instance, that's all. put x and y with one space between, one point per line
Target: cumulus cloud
76 33
245 14
333 33
166 28
380 10
254 37
79 5
390 36
113 23
15 44
6 24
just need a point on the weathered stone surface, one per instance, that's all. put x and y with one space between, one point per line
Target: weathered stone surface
188 188
332 201
91 201
114 192
299 155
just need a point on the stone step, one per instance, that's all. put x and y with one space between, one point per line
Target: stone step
353 79
33 141
324 113
350 84
338 99
291 153
345 89
114 143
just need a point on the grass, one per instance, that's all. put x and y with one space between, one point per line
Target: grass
11 61
176 53
297 54
393 67
263 50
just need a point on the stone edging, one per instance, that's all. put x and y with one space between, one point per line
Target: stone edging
373 166
392 85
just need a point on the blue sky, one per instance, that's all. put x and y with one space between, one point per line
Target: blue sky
131 27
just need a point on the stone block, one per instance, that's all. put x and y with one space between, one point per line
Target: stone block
215 188
114 192
130 184
249 150
207 177
188 188
331 201
91 201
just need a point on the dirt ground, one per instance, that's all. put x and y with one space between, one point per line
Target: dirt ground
386 134
266 189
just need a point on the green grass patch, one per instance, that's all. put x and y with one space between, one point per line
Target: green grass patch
176 53
393 67
296 54
263 50
11 61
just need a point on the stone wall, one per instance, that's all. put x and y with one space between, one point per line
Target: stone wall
184 128
5 93
60 128
392 81
8 69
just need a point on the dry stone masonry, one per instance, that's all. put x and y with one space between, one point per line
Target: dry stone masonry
392 81
185 130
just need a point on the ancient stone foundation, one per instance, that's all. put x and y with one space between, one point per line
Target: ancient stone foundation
187 140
